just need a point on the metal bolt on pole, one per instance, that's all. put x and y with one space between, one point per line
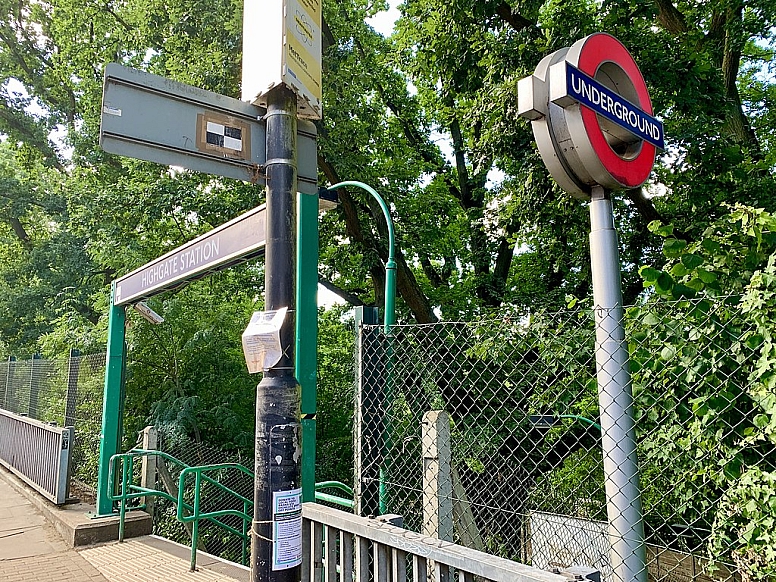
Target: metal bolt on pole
618 434
278 447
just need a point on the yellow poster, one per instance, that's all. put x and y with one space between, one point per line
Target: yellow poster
304 67
313 8
303 46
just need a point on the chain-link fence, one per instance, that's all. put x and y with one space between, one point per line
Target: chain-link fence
488 433
67 392
213 539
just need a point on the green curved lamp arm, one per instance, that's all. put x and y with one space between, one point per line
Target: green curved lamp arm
390 264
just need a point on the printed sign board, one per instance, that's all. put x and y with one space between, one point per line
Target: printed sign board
261 340
282 44
591 116
286 529
156 119
237 240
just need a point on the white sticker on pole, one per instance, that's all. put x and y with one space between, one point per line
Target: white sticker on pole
286 529
261 340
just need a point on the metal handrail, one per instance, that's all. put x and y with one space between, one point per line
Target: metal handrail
128 491
211 515
320 496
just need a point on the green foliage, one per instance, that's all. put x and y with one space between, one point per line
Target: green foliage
574 488
706 371
190 372
334 450
747 521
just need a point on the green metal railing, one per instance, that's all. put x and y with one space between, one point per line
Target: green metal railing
191 512
344 502
196 515
129 491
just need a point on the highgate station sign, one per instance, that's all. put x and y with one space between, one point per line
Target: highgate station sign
237 240
591 116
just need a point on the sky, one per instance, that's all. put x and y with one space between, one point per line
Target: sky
383 21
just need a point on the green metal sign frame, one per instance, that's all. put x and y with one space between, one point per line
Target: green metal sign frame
306 357
306 349
112 402
305 365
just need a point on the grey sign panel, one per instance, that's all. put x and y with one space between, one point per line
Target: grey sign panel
157 119
238 239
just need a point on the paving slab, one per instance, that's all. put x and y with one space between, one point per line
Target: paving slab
24 533
154 559
32 549
76 522
65 566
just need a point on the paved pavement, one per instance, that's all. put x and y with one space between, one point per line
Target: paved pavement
31 550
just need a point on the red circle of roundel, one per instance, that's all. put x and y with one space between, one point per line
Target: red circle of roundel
599 49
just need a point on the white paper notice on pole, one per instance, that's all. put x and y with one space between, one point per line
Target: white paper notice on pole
286 529
261 340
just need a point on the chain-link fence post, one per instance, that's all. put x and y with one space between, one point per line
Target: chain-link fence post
618 435
368 412
32 409
73 367
4 367
8 401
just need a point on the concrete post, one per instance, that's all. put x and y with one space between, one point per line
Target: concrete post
437 479
437 483
148 471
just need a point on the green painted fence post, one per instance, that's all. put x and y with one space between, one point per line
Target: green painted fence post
111 403
307 332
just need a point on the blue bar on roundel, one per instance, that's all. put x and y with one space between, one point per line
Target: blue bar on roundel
605 102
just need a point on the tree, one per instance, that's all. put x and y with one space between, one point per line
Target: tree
480 224
476 242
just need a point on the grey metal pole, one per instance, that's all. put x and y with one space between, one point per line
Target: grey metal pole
615 397
276 533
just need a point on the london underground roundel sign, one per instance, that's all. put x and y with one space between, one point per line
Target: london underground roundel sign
592 116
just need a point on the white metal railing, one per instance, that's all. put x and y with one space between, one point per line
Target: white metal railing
342 546
37 453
